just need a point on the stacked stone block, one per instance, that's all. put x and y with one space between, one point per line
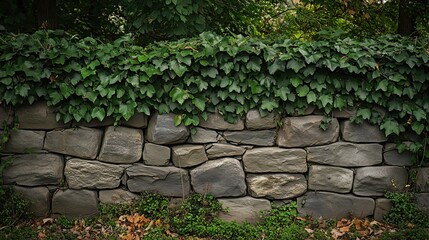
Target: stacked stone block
346 169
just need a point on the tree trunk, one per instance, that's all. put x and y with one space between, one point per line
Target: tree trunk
406 19
47 14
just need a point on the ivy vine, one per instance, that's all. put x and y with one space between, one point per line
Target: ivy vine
87 79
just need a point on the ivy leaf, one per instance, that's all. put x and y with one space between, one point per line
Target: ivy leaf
178 119
22 89
179 95
227 67
254 64
419 114
144 109
311 97
269 104
383 85
199 103
390 126
66 90
364 113
178 68
418 127
302 90
85 72
211 72
98 113
295 65
296 81
325 100
277 65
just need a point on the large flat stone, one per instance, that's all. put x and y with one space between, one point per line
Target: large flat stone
161 130
89 174
345 154
422 201
258 138
188 155
218 150
121 145
273 159
305 131
222 178
116 196
80 142
203 135
382 206
24 141
245 209
376 181
75 203
167 181
332 179
38 116
276 185
156 155
361 133
422 179
254 121
138 120
334 205
345 113
38 199
34 170
393 157
217 122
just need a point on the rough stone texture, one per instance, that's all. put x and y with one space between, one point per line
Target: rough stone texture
245 209
346 154
161 130
218 150
79 142
277 185
334 205
258 138
138 120
188 155
345 113
255 121
107 121
361 133
273 159
75 203
217 122
422 200
203 136
393 157
222 178
38 199
168 181
305 131
156 155
117 196
38 116
25 141
382 206
92 174
34 170
376 181
121 145
333 179
422 179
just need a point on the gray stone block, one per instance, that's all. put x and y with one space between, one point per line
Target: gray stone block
168 181
121 145
91 174
217 122
75 203
345 154
332 179
34 170
274 159
345 113
334 205
422 179
254 120
222 178
156 155
393 157
376 181
203 135
38 116
218 150
276 185
361 133
422 201
245 209
257 138
305 131
138 120
188 155
80 142
38 199
25 141
161 130
382 206
116 196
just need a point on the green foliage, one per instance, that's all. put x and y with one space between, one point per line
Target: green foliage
409 234
64 222
151 205
85 79
404 211
13 208
18 233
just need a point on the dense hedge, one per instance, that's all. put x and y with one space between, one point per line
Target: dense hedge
86 78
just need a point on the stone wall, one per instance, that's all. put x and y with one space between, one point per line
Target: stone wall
70 168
